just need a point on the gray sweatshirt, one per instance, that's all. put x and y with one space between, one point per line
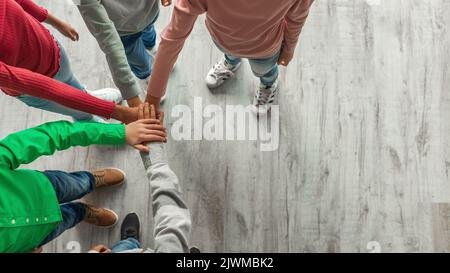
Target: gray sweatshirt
171 215
107 20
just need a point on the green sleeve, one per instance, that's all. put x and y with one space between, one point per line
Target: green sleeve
104 31
27 145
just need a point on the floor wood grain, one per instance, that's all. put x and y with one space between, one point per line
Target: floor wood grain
364 154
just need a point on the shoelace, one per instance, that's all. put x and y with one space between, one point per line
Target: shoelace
264 95
99 177
222 71
92 213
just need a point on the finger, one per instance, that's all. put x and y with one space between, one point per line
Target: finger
150 121
153 138
155 133
147 111
152 111
161 118
166 3
76 35
141 148
154 127
141 112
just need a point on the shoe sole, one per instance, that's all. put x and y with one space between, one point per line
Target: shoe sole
219 85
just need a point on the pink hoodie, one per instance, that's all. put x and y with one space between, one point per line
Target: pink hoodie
243 28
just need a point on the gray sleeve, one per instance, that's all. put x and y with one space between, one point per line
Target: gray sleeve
103 29
171 215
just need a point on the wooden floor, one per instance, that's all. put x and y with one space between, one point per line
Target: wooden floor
364 157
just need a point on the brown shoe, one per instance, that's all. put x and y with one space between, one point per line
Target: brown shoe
100 217
108 177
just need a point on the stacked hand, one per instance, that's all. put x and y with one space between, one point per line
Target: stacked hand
148 128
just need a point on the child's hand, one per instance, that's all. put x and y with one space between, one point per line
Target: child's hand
166 3
285 58
68 31
63 27
145 130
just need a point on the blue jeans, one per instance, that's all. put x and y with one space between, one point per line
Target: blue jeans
66 76
266 69
69 187
124 245
136 46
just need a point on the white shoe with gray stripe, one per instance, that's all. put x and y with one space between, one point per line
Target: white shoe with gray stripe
219 73
264 98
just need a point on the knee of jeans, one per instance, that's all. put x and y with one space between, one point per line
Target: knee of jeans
142 71
261 71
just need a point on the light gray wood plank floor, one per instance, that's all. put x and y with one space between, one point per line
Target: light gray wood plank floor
363 161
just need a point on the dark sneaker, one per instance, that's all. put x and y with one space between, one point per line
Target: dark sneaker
130 227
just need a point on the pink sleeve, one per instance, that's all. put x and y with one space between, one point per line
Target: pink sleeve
34 10
295 19
37 85
184 15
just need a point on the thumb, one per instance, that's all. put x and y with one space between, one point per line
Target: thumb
142 148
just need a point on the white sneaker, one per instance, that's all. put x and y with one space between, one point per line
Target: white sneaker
98 119
219 73
264 98
108 94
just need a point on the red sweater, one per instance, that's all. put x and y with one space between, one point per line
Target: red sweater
29 58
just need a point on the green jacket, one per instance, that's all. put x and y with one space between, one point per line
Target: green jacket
29 209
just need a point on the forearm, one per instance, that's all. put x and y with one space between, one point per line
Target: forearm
53 21
172 41
171 215
104 31
37 85
25 146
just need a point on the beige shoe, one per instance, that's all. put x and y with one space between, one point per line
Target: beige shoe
100 217
108 177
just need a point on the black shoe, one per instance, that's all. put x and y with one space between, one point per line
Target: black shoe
130 227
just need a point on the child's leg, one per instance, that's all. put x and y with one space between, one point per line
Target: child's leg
232 60
266 69
149 37
124 245
71 186
65 73
138 58
72 213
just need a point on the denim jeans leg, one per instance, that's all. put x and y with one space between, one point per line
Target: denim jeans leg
124 245
72 213
232 60
70 186
65 73
138 58
149 36
266 69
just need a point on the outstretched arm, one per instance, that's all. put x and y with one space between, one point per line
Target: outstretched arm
184 15
171 215
103 29
37 85
27 145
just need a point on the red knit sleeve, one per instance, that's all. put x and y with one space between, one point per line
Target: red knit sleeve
34 10
27 82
